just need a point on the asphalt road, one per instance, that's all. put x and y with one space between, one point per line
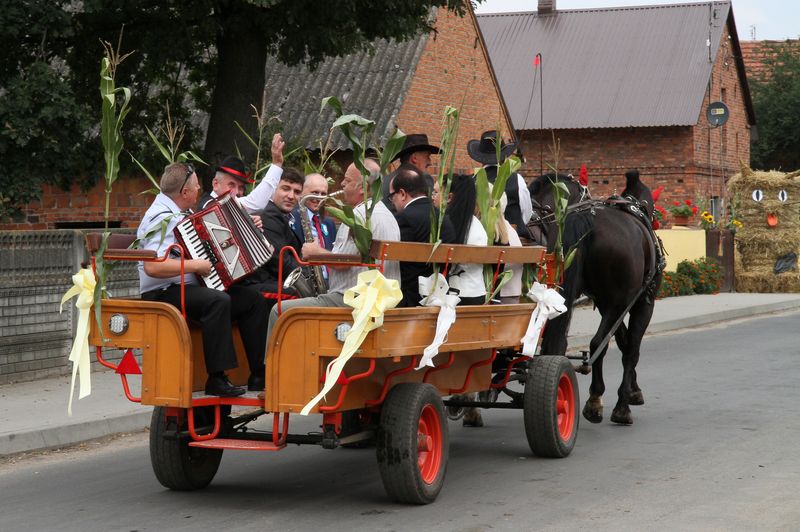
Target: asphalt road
713 448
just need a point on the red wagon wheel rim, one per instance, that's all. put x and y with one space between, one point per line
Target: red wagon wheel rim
429 444
565 407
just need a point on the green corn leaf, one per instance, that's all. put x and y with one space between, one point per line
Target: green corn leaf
393 147
332 102
147 173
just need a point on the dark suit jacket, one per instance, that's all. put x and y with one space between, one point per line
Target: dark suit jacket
279 234
415 226
328 228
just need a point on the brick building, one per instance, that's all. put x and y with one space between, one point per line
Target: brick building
404 84
758 56
627 88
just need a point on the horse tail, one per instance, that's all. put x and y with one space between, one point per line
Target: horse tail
578 235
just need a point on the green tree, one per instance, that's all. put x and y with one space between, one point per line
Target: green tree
201 57
776 101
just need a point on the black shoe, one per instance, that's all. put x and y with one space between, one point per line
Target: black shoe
222 387
256 382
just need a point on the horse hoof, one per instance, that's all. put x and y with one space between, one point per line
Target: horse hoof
593 415
636 398
477 422
622 418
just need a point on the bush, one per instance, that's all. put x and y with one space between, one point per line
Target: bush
705 274
675 284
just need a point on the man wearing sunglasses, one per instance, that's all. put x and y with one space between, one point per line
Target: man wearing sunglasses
214 309
232 177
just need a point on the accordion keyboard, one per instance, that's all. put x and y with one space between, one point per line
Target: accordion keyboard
199 249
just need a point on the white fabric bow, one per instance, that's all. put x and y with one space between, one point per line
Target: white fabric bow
549 304
83 286
434 290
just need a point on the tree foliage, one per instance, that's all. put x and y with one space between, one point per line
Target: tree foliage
776 101
202 58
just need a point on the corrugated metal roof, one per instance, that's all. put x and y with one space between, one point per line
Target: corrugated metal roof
371 85
611 67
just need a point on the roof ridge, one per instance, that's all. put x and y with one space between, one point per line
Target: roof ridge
610 8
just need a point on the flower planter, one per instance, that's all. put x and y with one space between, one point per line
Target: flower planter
682 221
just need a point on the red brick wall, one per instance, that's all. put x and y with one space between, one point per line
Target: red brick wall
454 70
127 206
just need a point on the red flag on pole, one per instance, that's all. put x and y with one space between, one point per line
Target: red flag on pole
536 61
584 176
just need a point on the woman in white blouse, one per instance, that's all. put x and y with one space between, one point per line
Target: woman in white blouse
466 280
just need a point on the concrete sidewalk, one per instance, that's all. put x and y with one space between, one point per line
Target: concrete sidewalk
33 415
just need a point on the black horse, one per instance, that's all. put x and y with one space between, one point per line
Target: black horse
617 265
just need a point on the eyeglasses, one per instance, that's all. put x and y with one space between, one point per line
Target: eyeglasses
391 194
189 172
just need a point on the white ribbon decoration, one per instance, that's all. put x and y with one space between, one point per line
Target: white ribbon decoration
549 304
83 286
434 291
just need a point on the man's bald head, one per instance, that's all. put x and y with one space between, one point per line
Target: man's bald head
315 184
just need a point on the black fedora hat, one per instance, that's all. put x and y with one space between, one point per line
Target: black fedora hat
235 167
484 150
416 142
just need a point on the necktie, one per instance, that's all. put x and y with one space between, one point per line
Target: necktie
321 239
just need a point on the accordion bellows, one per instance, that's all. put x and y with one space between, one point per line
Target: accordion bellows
224 234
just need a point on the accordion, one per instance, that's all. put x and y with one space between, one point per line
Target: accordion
224 234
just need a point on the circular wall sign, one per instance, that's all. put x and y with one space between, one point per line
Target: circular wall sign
717 113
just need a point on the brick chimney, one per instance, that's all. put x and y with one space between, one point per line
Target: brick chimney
546 7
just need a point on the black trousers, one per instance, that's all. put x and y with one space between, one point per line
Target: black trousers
216 310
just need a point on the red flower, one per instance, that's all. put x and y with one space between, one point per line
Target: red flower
661 209
694 209
689 202
657 193
676 203
656 225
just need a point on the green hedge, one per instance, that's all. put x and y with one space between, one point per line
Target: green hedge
701 276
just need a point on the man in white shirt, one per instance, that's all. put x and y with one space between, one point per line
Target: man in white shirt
232 177
383 226
214 309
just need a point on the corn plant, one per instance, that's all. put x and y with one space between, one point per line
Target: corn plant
359 131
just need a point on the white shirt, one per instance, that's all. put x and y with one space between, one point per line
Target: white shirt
260 196
525 204
468 278
384 227
514 286
163 209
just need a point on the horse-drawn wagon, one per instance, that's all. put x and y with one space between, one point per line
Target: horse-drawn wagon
380 398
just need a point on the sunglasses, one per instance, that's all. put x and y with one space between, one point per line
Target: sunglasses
189 172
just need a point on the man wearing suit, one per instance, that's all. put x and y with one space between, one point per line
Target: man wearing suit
415 155
317 185
408 193
275 218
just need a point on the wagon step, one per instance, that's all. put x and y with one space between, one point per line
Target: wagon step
238 444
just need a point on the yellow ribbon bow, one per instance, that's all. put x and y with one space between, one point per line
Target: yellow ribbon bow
370 298
83 286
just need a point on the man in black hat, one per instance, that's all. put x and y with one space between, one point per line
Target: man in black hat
415 156
519 208
232 176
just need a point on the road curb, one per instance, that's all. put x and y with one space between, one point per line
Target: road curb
583 341
51 438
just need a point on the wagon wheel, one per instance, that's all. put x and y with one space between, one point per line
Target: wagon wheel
412 443
550 406
176 465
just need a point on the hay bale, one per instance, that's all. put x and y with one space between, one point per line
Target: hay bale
758 245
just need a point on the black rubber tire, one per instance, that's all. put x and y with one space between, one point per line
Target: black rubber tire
398 443
176 465
548 435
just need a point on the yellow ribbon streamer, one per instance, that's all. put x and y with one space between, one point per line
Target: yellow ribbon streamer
83 287
370 298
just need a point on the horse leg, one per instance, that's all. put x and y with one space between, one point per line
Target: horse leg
472 415
629 391
621 336
593 409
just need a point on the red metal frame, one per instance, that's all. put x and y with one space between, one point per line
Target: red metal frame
345 382
469 371
301 262
440 368
511 365
388 379
193 433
